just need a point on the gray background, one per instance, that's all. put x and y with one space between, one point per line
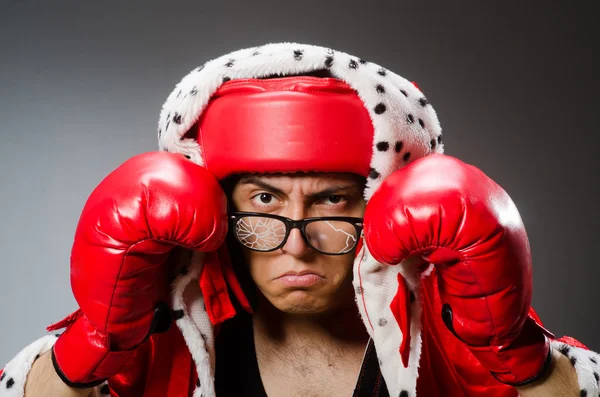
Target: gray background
82 82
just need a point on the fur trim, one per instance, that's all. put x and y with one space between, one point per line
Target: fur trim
401 115
14 376
16 371
195 325
587 366
375 287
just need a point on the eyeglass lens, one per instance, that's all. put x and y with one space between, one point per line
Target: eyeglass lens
264 234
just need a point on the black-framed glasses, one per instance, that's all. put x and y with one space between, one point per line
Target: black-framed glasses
331 235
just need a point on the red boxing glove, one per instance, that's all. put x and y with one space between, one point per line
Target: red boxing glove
119 271
455 217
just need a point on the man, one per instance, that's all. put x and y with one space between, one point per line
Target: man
317 151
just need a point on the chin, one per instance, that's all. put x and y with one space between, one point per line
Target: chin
301 302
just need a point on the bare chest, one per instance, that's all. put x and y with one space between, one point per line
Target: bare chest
310 371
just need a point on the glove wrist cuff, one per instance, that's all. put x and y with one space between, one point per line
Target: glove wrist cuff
509 380
520 361
81 356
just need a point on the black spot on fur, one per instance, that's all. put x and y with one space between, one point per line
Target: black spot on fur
412 297
406 156
255 53
177 314
104 389
382 322
432 144
403 393
230 63
404 93
362 61
596 376
592 359
168 124
36 357
199 68
380 89
159 132
421 123
328 61
178 94
187 156
564 349
382 72
383 146
398 146
198 383
353 64
226 79
423 101
573 360
380 108
183 270
410 118
194 91
3 376
177 118
440 139
298 54
10 383
57 335
373 174
358 290
583 393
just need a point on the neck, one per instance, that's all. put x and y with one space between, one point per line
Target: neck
340 326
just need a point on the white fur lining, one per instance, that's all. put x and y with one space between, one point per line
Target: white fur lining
195 326
16 371
375 287
400 113
587 366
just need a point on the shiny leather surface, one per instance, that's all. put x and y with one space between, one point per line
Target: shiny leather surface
161 367
119 269
285 125
457 218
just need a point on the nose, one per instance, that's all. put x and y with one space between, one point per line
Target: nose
295 245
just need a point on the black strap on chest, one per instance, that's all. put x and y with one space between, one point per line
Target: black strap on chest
370 382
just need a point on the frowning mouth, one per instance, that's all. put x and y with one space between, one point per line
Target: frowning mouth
305 278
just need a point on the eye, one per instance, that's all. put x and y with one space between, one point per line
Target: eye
265 198
334 199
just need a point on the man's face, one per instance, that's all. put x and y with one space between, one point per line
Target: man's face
299 196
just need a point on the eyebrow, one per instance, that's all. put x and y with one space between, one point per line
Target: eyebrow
253 180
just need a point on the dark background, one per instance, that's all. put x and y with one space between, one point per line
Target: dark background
82 83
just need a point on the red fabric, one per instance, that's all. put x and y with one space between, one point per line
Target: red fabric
232 280
287 124
163 366
212 283
401 309
572 341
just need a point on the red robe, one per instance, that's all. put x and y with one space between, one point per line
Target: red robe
164 367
